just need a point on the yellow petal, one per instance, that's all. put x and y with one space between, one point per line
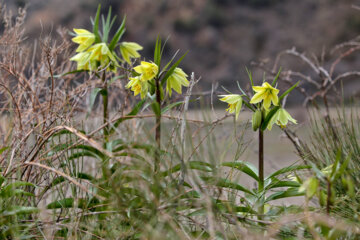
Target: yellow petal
257 97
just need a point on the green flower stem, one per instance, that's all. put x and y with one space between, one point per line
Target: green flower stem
261 170
105 108
158 125
105 169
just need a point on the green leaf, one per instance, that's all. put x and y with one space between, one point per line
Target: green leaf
70 203
170 106
191 194
244 167
133 112
106 25
291 192
276 78
344 165
155 106
91 149
225 183
3 149
61 179
117 35
157 52
199 212
268 117
9 189
134 145
63 203
22 192
172 69
93 96
288 169
96 25
288 91
81 155
228 184
2 180
249 106
277 183
335 166
169 63
17 210
250 76
67 73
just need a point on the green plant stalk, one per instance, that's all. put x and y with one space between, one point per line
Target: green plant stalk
105 170
105 109
261 171
328 201
158 126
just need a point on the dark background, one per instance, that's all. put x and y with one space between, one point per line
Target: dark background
223 36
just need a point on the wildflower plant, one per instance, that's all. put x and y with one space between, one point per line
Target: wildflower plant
150 79
267 111
98 54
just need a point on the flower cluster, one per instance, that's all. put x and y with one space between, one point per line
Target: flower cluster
264 98
139 84
91 54
148 71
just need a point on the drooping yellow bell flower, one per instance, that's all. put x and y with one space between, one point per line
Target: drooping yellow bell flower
176 80
83 61
235 103
130 50
138 86
84 38
267 93
147 70
281 118
100 52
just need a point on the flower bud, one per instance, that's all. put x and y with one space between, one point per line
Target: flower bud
256 120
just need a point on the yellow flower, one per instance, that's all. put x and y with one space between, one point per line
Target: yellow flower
177 79
138 86
267 93
147 70
281 118
235 103
83 61
100 52
129 50
84 38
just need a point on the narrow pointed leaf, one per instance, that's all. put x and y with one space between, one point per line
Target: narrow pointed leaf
225 183
244 167
117 35
133 112
170 106
276 78
288 91
157 52
288 170
171 70
96 25
291 192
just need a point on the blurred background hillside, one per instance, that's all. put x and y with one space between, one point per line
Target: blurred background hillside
223 36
